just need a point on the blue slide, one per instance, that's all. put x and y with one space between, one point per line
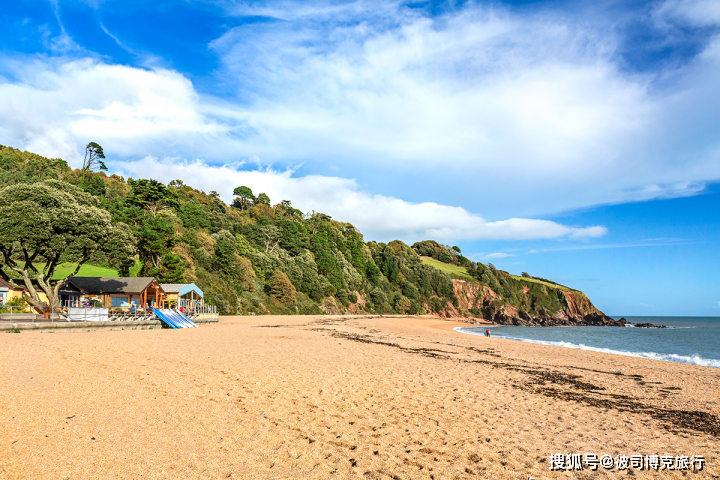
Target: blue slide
174 319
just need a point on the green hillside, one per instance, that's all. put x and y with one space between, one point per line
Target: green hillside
86 270
65 269
556 286
259 254
454 271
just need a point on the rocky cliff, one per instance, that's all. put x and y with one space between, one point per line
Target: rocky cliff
477 302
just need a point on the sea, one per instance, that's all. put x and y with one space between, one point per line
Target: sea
693 340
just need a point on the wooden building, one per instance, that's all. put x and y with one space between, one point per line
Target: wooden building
118 292
186 295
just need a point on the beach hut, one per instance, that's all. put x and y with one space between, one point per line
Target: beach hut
186 295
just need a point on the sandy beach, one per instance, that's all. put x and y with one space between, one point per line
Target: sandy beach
338 397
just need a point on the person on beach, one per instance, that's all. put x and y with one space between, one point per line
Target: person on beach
487 332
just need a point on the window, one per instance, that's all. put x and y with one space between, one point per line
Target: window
119 302
2 298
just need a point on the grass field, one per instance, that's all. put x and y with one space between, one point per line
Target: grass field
85 271
460 272
452 270
65 269
547 284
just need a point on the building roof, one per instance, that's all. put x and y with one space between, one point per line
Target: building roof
96 285
172 287
6 286
181 288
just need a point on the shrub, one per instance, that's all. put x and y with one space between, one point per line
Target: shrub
281 288
437 305
402 305
377 297
352 297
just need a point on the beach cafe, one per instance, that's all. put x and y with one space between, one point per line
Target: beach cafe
112 292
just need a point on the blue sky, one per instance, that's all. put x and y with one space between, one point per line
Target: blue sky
575 142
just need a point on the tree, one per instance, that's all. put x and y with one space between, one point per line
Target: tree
289 211
46 223
293 236
150 195
171 269
156 237
94 156
192 215
281 288
270 234
245 197
262 199
93 184
402 305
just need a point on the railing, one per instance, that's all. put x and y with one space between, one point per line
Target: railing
27 314
200 309
11 313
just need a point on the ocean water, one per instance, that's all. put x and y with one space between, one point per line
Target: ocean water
693 340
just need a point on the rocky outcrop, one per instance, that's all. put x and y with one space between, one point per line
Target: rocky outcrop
469 295
487 305
330 306
642 325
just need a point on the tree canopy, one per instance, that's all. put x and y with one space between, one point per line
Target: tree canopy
246 257
245 197
46 223
94 156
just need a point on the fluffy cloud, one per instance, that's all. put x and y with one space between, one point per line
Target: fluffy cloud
525 107
492 256
379 217
53 107
526 115
696 12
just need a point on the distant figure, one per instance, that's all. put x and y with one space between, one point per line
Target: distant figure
487 332
132 308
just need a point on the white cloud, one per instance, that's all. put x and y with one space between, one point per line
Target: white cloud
492 256
526 115
379 217
697 12
524 107
56 107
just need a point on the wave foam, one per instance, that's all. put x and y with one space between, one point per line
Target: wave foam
667 357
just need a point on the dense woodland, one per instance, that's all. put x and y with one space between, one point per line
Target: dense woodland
261 254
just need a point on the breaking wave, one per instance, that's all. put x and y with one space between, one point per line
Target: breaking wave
668 357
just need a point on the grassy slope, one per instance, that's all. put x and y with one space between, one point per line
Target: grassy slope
66 269
452 270
460 272
547 284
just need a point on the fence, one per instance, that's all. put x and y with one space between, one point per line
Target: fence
78 313
32 314
200 309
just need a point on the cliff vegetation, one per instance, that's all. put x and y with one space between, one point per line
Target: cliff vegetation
260 254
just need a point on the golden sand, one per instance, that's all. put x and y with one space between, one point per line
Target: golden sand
337 397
